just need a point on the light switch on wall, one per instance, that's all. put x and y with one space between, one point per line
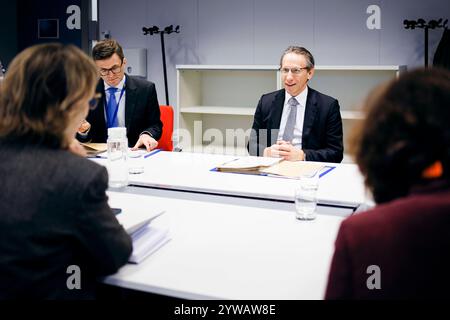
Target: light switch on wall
136 62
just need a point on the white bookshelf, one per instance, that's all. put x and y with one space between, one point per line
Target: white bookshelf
222 97
350 85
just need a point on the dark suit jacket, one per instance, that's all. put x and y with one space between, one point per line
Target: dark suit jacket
322 127
54 214
141 112
408 238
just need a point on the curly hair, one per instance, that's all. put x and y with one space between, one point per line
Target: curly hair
406 130
42 91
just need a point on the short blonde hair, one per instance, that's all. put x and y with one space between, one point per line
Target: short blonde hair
42 90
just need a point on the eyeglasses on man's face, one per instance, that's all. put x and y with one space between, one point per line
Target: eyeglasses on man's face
94 101
114 70
295 71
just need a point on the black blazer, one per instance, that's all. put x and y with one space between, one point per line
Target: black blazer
53 214
141 112
322 126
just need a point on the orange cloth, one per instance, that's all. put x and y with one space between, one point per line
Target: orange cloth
434 171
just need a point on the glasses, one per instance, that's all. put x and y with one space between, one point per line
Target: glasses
292 70
94 101
114 70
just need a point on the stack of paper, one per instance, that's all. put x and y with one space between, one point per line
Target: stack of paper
146 238
252 165
146 241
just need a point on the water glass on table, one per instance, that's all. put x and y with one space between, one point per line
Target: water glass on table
136 161
306 197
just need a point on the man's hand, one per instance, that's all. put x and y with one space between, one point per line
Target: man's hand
147 141
76 148
285 150
84 127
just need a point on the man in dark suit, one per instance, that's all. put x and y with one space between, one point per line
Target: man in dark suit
297 122
126 101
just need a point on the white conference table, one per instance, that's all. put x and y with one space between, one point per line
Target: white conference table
342 186
228 251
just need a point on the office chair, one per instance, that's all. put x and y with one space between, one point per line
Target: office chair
165 142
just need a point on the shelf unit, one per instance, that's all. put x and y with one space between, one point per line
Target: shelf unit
223 99
350 85
214 98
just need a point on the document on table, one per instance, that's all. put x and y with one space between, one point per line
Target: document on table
93 149
146 238
293 169
248 164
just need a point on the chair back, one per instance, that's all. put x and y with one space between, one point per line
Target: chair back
165 142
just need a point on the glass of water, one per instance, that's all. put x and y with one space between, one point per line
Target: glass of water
306 197
136 161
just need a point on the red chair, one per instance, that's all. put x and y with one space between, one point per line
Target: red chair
165 142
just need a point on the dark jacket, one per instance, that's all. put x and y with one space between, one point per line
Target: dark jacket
141 112
54 214
322 126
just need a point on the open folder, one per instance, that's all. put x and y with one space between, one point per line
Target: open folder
250 165
293 169
146 238
271 166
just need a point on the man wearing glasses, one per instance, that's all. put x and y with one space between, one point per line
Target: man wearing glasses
125 101
297 122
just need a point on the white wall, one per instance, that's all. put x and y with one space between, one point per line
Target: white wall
257 31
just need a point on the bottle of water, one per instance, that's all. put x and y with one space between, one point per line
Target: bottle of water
117 157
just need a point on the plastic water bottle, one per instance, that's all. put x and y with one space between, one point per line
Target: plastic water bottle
117 157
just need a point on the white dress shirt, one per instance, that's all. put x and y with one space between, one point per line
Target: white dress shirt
298 129
121 111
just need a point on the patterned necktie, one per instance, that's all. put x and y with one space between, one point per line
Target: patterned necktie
288 134
111 108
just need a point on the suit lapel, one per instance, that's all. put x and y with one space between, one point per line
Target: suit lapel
130 100
277 110
310 114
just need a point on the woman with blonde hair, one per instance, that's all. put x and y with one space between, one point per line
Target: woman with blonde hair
54 217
